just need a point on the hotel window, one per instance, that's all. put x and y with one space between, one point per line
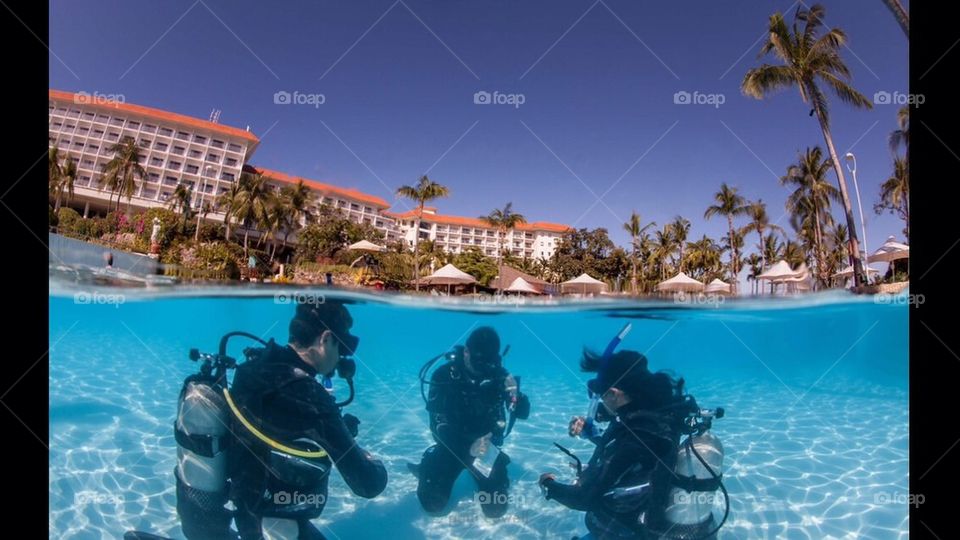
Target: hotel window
235 148
98 133
88 115
156 162
227 176
367 209
116 121
74 113
166 131
342 204
174 165
216 144
195 153
133 125
169 181
71 127
354 206
154 177
88 163
78 145
58 125
150 128
162 146
62 111
200 139
213 157
113 136
145 143
102 118
192 169
93 148
84 179
148 194
179 150
231 162
183 136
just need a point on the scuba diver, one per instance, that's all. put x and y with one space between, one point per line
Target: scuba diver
269 441
641 482
468 402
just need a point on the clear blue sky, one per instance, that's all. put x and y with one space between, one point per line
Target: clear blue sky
398 80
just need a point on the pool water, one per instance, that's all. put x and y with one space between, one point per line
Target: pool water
815 392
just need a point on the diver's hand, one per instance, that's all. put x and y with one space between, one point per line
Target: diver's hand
480 446
352 422
577 424
546 478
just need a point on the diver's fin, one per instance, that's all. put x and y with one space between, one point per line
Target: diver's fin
414 469
140 535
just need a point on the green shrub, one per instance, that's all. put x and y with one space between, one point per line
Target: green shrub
67 219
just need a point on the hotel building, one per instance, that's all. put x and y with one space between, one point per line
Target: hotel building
209 157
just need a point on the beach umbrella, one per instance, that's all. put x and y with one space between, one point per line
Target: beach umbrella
520 285
364 245
847 272
448 275
778 272
680 283
717 287
891 250
583 283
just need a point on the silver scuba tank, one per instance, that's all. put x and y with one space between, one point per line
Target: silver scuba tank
686 507
202 419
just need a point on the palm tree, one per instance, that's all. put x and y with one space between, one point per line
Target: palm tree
703 259
901 136
68 175
121 172
299 201
679 229
228 202
663 247
760 222
55 171
756 268
205 209
431 254
180 202
810 200
503 220
771 249
729 204
900 14
426 190
809 61
637 234
895 194
279 217
251 206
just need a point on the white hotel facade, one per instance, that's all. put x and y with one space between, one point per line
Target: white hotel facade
209 158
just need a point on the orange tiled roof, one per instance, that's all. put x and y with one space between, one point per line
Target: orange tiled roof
476 222
319 186
159 115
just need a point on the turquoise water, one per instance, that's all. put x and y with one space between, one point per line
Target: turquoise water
815 389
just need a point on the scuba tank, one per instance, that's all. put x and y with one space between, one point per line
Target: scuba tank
698 475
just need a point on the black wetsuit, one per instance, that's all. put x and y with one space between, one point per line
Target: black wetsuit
279 394
637 448
461 411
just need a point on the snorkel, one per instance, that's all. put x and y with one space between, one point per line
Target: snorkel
589 427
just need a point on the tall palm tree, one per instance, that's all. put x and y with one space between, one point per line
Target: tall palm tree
636 232
180 202
759 223
54 169
68 175
424 191
251 206
679 229
895 194
703 259
810 60
756 268
810 200
228 202
663 247
279 217
205 209
729 204
503 220
121 172
900 14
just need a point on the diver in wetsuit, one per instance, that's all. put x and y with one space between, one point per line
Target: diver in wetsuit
280 468
624 487
467 401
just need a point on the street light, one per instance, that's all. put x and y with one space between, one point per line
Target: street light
863 228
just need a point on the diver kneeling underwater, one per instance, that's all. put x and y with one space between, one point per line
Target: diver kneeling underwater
269 442
468 397
641 481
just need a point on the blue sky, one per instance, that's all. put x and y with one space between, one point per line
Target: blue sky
597 79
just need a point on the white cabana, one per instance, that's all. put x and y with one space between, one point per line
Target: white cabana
891 250
365 245
802 281
847 272
448 275
583 284
680 283
717 287
520 285
778 272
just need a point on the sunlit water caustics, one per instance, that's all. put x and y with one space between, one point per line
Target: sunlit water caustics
815 392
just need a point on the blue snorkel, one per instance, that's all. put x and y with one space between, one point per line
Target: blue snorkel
589 429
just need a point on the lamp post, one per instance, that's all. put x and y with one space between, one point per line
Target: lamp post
863 228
